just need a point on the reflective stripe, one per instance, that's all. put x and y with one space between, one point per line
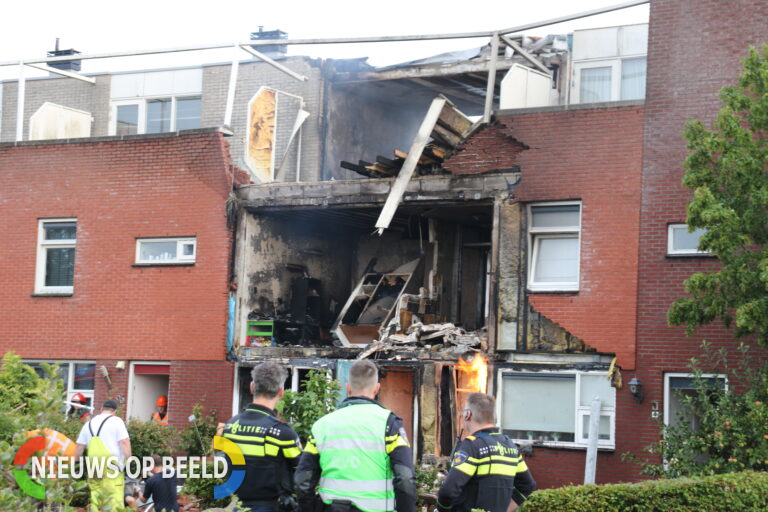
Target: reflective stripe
369 504
250 439
467 468
497 469
351 486
274 440
271 450
251 449
398 441
311 448
291 453
352 444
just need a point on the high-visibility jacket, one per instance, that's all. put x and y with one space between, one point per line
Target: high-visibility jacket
156 418
487 472
354 460
56 443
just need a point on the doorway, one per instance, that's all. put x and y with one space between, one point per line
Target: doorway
147 381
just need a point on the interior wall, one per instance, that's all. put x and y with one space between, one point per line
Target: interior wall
144 393
277 242
390 250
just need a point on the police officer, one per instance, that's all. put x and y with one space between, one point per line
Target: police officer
487 470
358 456
271 448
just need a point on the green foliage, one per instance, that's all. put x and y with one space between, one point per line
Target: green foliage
202 489
197 437
148 438
731 431
736 492
302 409
726 169
42 408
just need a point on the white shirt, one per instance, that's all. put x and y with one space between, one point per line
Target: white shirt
113 432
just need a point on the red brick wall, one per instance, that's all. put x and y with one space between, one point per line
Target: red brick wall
118 190
593 155
694 49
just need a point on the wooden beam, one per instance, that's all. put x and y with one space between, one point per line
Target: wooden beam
423 71
527 56
401 182
454 120
458 94
447 135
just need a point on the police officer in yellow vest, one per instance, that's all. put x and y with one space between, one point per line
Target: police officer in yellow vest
487 471
271 448
358 456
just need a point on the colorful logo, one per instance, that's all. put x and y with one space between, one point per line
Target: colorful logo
22 477
237 475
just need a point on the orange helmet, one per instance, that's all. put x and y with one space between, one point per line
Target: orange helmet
78 398
162 401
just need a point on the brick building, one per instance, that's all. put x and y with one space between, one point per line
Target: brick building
115 263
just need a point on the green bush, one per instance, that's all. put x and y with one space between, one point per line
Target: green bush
197 437
735 492
148 438
201 490
302 409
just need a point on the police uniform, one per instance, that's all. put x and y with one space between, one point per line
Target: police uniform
358 458
487 472
271 449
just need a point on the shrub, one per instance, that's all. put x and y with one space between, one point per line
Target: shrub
735 492
201 490
302 409
148 438
197 437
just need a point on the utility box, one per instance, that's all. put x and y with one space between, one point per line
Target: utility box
524 87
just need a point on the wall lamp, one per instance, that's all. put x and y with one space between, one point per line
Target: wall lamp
636 388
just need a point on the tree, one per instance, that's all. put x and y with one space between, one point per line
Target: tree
727 172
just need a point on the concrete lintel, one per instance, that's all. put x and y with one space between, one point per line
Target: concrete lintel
474 187
549 358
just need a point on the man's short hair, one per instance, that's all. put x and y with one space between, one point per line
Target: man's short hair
483 407
157 460
110 404
267 379
363 375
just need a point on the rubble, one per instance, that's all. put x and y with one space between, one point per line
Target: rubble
446 336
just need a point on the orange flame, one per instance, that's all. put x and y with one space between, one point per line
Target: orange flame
475 374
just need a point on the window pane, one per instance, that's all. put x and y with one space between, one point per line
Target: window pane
595 85
59 230
633 79
557 260
84 375
539 403
158 251
555 216
597 385
158 116
603 430
682 240
187 113
127 119
60 266
188 249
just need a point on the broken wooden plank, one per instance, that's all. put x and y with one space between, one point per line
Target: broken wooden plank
358 169
388 162
378 168
401 182
400 154
447 136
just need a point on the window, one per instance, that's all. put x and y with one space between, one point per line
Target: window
165 251
55 256
554 407
677 386
610 80
554 231
681 242
155 115
77 376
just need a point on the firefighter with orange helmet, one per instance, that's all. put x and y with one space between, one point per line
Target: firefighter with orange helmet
79 408
160 416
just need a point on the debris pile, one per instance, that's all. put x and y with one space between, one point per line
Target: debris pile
444 336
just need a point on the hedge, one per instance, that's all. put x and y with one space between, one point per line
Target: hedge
735 492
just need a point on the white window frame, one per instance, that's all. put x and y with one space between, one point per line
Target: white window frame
181 259
142 103
671 240
535 234
581 411
42 256
69 386
614 63
667 389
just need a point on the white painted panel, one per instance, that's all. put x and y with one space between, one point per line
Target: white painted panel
144 393
633 39
188 81
127 86
524 87
158 83
53 121
595 43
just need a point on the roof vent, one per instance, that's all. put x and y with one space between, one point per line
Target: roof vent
270 50
64 65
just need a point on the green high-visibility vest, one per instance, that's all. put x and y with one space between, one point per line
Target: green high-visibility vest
353 458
